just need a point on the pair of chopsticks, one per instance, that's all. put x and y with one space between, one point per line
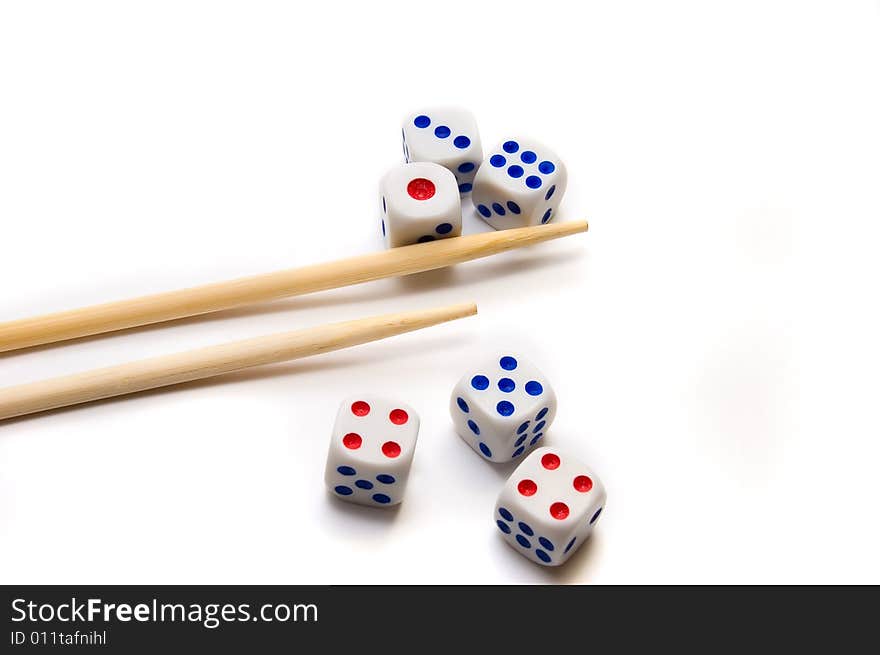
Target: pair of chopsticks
217 360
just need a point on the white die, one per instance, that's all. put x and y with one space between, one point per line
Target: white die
371 451
549 505
419 202
503 408
445 136
521 183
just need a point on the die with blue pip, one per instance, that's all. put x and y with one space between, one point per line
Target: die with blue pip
521 183
447 136
503 407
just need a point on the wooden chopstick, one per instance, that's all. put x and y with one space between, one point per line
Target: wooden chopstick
215 360
156 308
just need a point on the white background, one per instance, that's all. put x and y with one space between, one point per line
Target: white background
713 339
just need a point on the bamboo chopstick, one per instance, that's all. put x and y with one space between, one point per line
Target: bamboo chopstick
156 308
215 360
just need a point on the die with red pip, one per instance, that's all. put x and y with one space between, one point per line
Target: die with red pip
549 506
418 202
371 451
